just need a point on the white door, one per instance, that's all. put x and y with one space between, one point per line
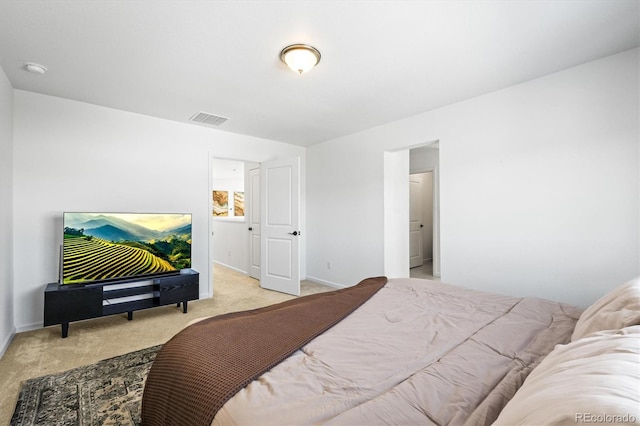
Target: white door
254 223
279 220
415 221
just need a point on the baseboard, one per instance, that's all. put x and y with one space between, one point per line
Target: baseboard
324 282
7 341
231 267
28 327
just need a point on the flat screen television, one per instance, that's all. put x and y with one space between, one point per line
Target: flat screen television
102 247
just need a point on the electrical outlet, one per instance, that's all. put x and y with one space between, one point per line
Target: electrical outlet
329 264
229 253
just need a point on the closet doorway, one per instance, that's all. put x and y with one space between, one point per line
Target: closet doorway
398 166
424 218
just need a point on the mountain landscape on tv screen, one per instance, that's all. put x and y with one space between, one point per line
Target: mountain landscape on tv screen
109 246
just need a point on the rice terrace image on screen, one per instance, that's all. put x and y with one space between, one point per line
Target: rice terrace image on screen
109 246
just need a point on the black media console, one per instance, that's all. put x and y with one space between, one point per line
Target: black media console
66 303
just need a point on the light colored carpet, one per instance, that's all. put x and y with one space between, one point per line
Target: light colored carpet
41 352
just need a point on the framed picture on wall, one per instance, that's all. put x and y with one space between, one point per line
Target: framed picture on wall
228 203
220 203
238 204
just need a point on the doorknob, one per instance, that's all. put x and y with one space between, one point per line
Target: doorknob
293 233
250 229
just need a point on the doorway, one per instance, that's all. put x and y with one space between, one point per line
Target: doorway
421 225
229 206
229 210
241 193
398 165
424 165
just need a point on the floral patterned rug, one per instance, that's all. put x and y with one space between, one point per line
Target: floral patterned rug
106 393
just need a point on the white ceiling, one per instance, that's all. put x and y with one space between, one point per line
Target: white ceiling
381 60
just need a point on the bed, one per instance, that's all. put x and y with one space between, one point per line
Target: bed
401 351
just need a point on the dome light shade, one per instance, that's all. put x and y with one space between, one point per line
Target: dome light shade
300 57
35 68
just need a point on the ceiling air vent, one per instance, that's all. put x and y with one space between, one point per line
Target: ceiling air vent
210 119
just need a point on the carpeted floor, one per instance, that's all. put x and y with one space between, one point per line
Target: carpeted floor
42 352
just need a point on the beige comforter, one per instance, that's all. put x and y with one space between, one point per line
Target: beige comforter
418 352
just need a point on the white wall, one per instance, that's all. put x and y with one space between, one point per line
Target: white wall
424 159
539 188
71 156
7 328
230 244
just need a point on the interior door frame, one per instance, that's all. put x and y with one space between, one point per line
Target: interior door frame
436 220
212 157
250 211
396 207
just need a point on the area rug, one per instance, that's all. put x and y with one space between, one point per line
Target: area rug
106 393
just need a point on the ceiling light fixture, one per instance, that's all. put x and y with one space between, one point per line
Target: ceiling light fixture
300 57
35 68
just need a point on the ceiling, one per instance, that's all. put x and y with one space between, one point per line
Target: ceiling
381 60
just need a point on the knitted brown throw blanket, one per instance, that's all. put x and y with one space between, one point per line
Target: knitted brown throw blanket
204 365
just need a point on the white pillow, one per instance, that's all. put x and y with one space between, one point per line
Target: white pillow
615 310
592 380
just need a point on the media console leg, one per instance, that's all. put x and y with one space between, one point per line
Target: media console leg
65 329
130 315
184 307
